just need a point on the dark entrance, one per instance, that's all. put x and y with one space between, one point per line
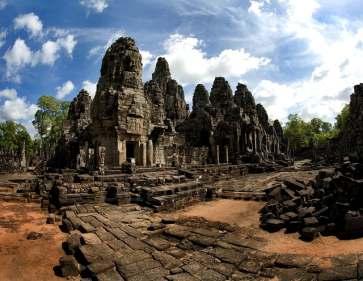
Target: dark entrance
130 149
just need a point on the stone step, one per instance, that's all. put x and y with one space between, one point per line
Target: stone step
73 198
153 169
156 180
257 196
20 197
139 170
112 178
6 190
178 200
150 192
8 186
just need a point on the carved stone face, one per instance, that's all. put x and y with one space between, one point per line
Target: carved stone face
122 64
130 63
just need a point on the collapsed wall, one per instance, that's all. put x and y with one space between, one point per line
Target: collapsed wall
329 205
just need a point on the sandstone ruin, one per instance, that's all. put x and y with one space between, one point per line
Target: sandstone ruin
151 124
135 155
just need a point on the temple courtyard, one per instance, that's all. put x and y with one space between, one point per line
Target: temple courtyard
211 240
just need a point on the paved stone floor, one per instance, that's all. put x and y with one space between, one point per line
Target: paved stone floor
129 242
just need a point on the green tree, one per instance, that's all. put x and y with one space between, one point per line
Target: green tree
14 136
303 134
316 125
326 127
48 121
297 132
342 119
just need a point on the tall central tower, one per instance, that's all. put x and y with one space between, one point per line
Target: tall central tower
120 110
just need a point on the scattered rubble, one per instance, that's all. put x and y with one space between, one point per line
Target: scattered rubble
329 205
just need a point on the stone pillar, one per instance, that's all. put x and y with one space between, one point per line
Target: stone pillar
259 142
23 157
144 154
278 147
150 153
226 149
78 160
217 155
238 148
101 159
121 146
90 159
254 141
82 158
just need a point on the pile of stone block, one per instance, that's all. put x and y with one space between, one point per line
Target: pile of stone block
330 205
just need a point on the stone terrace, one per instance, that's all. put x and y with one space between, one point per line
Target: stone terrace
160 188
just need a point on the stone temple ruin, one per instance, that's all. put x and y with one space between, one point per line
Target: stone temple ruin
138 142
150 124
135 153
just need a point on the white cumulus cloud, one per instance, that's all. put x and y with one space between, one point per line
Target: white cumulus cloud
90 87
190 63
9 94
147 57
332 50
97 6
68 43
256 7
20 55
16 58
15 108
29 22
65 90
50 51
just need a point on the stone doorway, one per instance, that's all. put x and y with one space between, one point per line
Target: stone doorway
130 149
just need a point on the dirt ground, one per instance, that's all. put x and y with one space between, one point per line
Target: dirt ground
22 259
246 215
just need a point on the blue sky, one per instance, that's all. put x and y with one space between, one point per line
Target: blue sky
296 56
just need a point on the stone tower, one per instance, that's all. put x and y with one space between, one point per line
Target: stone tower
176 109
120 109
